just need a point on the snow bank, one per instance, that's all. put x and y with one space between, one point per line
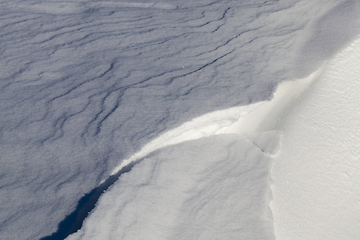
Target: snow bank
316 173
218 187
206 125
86 84
212 188
257 117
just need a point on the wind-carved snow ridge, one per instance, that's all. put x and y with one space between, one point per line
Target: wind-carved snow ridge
207 125
268 115
86 84
204 126
216 148
258 117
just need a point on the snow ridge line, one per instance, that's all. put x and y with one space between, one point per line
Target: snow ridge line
257 117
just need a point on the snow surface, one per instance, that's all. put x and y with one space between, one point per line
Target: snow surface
212 188
209 124
189 191
86 85
316 172
193 191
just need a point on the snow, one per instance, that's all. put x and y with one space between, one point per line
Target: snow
269 115
209 124
219 187
213 188
316 181
87 87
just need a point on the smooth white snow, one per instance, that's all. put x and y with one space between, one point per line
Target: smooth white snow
316 172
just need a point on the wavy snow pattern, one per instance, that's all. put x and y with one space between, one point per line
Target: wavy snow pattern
87 84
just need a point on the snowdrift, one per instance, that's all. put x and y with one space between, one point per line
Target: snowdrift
87 84
218 187
316 173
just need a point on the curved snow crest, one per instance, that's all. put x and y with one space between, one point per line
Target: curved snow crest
258 117
189 188
268 115
216 187
213 154
206 125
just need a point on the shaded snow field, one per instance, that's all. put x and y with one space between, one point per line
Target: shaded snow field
86 84
60 7
218 187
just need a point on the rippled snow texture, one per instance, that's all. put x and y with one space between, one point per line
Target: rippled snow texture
86 84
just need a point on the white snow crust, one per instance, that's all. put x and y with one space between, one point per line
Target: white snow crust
316 176
87 87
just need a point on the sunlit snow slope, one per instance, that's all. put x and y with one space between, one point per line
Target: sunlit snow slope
212 188
88 86
316 173
219 187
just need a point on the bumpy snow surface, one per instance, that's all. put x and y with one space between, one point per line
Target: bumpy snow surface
172 97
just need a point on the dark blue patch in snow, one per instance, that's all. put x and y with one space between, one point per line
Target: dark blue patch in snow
86 204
